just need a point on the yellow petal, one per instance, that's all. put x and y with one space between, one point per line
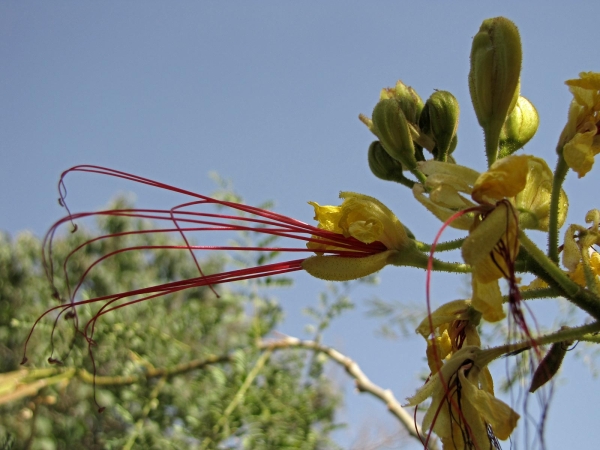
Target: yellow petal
443 213
459 173
579 152
328 217
445 314
571 255
496 413
487 299
505 178
586 80
368 220
437 351
362 217
578 275
533 201
537 283
499 225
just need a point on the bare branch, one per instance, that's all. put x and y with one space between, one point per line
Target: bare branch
363 383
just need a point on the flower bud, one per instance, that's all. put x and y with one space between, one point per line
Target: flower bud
494 77
410 102
439 120
391 127
520 126
383 165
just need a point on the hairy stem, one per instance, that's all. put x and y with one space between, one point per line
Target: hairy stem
559 177
548 271
568 334
442 246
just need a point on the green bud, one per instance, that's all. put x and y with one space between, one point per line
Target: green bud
453 144
410 102
494 77
439 120
520 126
383 165
391 127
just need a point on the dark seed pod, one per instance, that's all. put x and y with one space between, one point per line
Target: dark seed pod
549 365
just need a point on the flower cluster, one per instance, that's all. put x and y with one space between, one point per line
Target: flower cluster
417 147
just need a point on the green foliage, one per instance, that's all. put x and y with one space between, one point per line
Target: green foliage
280 407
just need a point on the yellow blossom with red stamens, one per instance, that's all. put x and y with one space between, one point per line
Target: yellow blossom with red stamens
463 408
353 240
365 219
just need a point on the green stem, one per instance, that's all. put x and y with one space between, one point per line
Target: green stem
492 139
533 294
559 177
592 337
419 175
548 271
412 257
567 334
401 179
442 246
568 286
443 266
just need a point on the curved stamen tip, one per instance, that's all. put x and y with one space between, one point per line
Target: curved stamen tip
101 409
24 360
55 361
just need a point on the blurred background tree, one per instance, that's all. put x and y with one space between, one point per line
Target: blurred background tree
188 370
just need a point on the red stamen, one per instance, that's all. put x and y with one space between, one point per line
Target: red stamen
431 327
182 221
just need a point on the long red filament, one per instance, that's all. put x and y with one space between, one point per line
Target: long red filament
182 221
450 398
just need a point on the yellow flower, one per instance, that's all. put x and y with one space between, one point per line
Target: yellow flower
363 218
464 412
580 138
453 325
368 221
492 219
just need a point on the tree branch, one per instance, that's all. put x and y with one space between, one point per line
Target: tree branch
363 383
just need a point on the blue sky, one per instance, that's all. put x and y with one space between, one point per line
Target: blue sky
267 94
